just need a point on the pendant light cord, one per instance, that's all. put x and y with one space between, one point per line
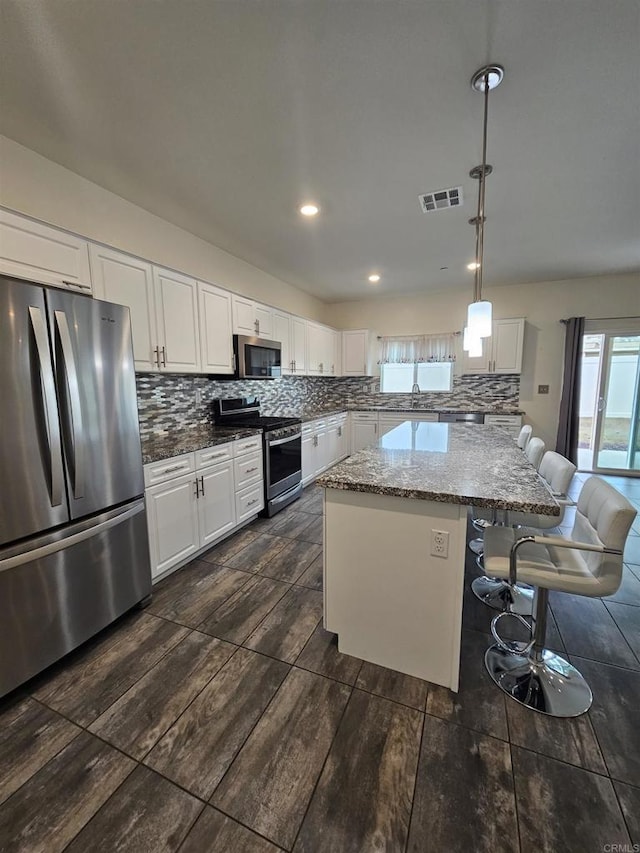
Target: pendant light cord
477 295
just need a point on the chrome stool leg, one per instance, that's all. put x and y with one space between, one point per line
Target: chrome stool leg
539 679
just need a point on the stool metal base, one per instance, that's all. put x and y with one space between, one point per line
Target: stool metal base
498 595
477 546
544 682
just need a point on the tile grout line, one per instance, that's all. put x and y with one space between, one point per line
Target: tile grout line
513 775
615 621
324 763
415 781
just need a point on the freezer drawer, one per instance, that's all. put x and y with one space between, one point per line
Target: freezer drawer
67 587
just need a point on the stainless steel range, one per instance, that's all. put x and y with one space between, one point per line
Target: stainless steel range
282 445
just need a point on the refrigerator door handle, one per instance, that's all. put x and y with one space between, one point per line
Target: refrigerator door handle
67 542
73 387
52 427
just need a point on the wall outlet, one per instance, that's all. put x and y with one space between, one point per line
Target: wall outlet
440 543
543 389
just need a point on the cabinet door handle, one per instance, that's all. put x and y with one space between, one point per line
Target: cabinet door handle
340 432
164 357
202 485
197 488
156 356
77 284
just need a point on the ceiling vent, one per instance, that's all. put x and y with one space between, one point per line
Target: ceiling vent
441 199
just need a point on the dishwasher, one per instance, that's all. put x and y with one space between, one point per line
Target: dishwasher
461 417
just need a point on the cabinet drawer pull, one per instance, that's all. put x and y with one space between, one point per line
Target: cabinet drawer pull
248 446
251 470
213 456
254 501
173 468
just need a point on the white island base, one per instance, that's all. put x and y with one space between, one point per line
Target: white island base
389 600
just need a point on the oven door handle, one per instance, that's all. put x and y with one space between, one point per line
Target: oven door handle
284 440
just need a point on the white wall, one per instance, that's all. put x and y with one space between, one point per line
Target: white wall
37 187
542 304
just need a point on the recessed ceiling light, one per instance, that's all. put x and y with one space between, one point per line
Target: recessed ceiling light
474 265
374 278
309 209
443 268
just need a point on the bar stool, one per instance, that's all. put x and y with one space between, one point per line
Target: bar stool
588 563
557 473
524 435
480 523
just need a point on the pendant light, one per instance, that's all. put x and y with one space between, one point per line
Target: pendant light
471 344
479 313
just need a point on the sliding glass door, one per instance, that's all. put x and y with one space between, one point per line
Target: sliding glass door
609 438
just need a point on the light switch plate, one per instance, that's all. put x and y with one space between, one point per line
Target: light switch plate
543 389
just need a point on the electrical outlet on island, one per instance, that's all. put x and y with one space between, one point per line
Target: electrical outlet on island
440 543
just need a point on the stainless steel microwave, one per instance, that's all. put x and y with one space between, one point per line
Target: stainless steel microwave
257 358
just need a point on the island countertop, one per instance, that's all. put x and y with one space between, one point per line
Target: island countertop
449 463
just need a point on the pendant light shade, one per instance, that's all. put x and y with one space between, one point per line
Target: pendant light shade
479 318
471 344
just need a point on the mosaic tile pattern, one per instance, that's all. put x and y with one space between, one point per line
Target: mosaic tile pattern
168 401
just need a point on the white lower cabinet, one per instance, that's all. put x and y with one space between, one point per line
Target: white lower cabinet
172 518
364 430
187 512
511 423
324 442
216 504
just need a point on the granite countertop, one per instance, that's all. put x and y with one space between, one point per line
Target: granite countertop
451 463
161 446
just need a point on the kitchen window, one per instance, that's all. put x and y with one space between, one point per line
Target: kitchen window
425 360
400 378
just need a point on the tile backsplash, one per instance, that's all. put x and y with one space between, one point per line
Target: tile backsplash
174 401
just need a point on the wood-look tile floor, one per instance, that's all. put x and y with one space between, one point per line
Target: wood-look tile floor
223 718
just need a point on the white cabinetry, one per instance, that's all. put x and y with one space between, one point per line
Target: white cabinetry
324 442
34 251
177 321
322 345
299 344
511 423
172 518
128 281
251 318
282 333
502 352
163 306
364 430
216 350
195 499
359 353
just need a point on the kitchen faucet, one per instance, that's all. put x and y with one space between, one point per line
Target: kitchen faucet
414 390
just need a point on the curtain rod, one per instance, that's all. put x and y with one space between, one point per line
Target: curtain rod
408 337
591 319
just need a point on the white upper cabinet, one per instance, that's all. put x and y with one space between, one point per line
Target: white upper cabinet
282 333
298 342
251 318
321 350
37 252
216 350
502 352
177 321
128 281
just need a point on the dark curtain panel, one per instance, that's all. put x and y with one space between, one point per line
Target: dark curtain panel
567 439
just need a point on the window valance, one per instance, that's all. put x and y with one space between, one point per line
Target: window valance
418 348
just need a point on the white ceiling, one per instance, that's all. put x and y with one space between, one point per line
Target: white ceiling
221 116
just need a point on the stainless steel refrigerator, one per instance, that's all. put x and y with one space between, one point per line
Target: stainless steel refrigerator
74 552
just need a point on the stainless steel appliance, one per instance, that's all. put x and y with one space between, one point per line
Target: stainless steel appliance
74 553
257 358
282 445
461 417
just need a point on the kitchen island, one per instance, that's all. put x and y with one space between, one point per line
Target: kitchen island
395 521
